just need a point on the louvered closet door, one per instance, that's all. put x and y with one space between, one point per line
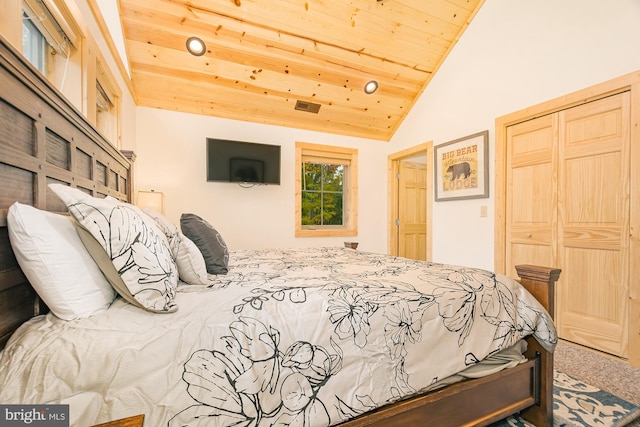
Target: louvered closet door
593 206
531 211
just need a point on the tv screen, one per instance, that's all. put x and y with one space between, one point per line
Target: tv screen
238 161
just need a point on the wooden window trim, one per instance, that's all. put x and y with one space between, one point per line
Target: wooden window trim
51 25
338 155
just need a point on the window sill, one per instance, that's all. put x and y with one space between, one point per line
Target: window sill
326 232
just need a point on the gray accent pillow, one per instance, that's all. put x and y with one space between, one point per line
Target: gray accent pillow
208 240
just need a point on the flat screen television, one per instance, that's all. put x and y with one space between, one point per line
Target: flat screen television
245 162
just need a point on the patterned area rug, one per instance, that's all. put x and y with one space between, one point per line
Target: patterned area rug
576 404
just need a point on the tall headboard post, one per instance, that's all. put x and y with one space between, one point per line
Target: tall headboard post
131 156
44 139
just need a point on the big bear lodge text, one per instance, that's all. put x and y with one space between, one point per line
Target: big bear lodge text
460 152
460 168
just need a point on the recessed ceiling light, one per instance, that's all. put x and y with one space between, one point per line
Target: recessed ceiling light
370 87
196 46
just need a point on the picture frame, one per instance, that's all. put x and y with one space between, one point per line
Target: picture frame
461 168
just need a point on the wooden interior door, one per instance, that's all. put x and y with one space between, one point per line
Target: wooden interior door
593 205
531 214
412 212
567 205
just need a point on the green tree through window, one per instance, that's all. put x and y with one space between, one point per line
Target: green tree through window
322 194
326 190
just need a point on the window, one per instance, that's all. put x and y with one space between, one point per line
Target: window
322 194
34 45
326 203
104 106
50 42
107 105
53 35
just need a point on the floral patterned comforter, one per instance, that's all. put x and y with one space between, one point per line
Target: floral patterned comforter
304 337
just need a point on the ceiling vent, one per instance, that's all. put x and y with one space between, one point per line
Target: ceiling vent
309 107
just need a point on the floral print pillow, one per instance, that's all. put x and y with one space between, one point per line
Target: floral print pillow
191 265
138 250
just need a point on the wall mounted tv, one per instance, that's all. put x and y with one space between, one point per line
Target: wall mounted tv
243 162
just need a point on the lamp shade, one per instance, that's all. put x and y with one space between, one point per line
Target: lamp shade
151 199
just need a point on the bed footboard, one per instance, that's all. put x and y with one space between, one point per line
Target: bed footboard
540 282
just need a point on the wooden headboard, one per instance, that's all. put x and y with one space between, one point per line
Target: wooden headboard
43 139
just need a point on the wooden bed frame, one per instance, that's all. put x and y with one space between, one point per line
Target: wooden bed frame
44 139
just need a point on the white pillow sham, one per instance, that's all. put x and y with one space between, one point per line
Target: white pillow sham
138 250
56 262
191 265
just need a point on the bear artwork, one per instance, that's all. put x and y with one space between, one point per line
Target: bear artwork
458 170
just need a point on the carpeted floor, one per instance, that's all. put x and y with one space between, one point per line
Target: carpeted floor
599 370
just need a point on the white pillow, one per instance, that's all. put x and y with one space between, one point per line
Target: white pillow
191 266
138 250
56 262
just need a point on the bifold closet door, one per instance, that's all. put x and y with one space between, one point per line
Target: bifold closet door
531 185
567 206
593 206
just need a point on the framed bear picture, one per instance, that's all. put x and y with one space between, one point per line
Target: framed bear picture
462 168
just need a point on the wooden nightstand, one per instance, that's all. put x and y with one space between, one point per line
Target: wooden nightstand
135 421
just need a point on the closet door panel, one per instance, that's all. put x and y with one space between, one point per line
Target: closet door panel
593 206
531 233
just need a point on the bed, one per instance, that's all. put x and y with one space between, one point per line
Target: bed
232 358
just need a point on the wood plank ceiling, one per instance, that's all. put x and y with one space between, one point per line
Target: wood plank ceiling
264 55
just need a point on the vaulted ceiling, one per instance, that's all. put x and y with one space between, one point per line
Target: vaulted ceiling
265 56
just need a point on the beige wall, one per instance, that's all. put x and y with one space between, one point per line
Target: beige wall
515 53
171 158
